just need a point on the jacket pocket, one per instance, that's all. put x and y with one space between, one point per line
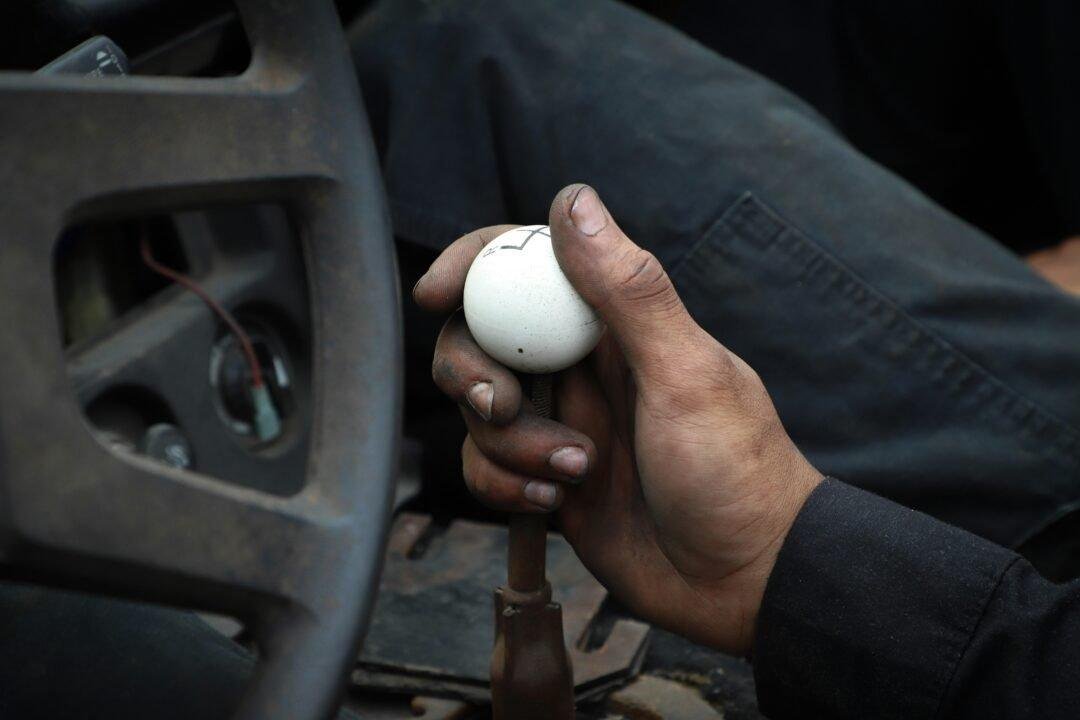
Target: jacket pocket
871 394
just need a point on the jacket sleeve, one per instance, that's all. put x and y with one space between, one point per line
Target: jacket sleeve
877 611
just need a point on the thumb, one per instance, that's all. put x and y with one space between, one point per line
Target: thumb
625 283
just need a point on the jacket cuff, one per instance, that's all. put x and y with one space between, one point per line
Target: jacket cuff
869 609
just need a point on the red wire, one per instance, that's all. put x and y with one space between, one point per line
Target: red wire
225 315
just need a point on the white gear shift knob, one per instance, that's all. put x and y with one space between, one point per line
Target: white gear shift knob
522 310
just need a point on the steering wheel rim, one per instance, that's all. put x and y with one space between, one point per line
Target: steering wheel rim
302 570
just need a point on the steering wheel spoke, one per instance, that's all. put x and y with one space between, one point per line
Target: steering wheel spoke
200 543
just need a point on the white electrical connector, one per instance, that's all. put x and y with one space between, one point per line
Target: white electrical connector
267 419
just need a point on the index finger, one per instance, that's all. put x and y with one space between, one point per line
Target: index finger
441 287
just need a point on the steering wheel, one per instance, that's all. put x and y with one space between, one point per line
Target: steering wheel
302 570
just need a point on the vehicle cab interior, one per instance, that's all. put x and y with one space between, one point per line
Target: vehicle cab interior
228 485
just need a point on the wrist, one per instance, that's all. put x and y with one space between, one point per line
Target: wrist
794 485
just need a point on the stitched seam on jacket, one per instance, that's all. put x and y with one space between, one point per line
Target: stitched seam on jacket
941 361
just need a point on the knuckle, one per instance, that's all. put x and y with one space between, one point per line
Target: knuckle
700 380
711 367
761 440
469 457
642 277
720 369
439 367
466 460
444 372
485 485
476 480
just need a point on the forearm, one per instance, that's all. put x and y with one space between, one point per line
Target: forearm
874 610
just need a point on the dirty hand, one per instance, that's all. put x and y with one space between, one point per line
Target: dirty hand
672 476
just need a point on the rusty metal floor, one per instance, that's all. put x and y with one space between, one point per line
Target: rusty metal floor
433 630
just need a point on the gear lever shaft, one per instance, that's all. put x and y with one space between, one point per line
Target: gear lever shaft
531 678
522 311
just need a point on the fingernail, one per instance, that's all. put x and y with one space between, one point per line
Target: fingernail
570 461
587 212
540 493
481 396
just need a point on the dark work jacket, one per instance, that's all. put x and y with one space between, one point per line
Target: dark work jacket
877 611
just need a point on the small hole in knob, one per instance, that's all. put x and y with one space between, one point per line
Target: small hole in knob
520 350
